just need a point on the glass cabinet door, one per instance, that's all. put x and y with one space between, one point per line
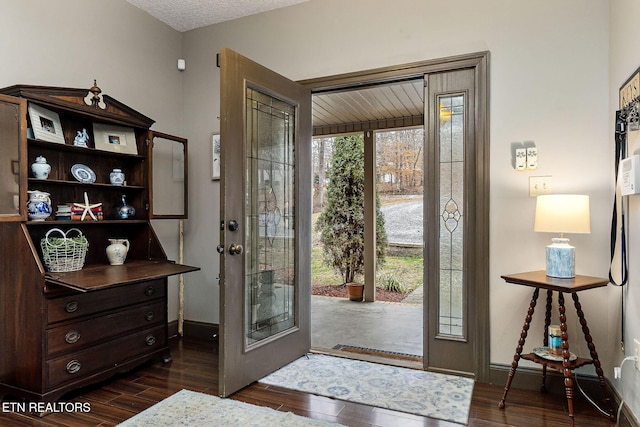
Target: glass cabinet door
13 155
168 176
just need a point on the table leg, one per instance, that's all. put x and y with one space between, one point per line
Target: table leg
566 364
593 353
547 322
523 337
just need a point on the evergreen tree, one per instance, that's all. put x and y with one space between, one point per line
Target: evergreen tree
341 224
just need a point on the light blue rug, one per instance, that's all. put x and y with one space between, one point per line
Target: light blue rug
445 397
190 409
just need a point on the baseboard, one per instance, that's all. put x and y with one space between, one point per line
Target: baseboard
531 379
196 330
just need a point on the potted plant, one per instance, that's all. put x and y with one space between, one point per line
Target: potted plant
341 224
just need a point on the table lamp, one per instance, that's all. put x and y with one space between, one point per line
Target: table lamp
562 213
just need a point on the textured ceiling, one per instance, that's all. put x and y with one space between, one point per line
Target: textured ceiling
185 15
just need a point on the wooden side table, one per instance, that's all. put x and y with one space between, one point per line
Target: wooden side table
539 280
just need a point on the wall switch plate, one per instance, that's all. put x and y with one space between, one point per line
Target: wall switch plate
539 185
636 353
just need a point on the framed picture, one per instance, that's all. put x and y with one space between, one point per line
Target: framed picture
118 139
45 124
215 156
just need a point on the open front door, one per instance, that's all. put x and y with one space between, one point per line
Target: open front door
265 286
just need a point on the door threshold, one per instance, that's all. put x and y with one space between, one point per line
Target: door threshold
379 357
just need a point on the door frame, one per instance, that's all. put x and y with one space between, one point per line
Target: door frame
479 242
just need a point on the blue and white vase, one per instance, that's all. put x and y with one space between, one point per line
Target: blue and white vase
40 168
39 205
116 177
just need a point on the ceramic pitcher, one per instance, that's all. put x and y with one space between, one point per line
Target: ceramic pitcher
117 251
39 205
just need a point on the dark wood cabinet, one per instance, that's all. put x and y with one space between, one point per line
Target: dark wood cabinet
63 330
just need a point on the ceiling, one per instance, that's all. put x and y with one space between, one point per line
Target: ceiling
185 15
391 105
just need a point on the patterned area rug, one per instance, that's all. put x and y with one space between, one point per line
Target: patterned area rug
188 408
445 397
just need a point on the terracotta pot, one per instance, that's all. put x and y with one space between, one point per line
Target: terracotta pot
356 291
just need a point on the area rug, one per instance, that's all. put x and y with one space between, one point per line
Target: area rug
445 397
188 408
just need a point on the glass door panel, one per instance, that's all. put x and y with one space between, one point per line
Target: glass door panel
270 243
451 140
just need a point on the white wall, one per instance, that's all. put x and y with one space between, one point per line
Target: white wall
131 55
549 84
624 60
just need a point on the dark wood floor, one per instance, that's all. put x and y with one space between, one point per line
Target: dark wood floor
195 367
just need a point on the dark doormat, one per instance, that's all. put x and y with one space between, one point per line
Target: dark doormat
378 353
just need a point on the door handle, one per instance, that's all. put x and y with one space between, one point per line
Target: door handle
220 249
235 249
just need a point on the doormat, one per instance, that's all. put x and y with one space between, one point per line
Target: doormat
379 353
445 397
188 408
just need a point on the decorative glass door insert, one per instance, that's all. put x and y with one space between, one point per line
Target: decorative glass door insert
269 206
452 163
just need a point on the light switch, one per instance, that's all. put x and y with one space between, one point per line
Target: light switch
539 185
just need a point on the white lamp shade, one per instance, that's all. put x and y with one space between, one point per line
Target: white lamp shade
562 213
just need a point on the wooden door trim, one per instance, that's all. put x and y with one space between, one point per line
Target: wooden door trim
479 61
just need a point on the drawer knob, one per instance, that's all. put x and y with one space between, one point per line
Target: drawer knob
72 337
149 291
71 306
149 316
73 366
150 340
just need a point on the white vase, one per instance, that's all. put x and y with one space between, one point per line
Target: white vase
117 251
40 168
116 177
39 205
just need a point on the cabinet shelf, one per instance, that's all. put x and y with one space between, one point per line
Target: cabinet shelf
100 185
70 223
37 143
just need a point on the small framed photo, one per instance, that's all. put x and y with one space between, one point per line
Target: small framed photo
215 156
117 139
45 124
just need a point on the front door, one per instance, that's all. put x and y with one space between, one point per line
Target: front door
265 298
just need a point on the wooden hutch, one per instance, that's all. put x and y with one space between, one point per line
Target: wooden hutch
63 330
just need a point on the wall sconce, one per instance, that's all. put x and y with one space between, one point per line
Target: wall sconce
562 213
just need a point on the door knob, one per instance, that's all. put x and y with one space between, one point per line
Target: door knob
235 249
233 225
220 249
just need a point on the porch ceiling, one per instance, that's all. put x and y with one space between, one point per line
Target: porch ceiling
384 106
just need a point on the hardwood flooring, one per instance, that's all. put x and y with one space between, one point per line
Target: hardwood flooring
195 367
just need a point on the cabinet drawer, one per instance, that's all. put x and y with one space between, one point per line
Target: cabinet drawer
81 304
82 334
104 356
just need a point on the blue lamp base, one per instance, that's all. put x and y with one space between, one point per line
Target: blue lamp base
561 259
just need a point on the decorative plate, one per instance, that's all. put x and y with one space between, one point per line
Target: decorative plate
83 173
544 353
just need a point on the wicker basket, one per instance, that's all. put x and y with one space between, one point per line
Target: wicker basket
64 253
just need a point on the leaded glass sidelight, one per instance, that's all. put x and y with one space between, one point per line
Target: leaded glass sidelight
451 135
269 233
